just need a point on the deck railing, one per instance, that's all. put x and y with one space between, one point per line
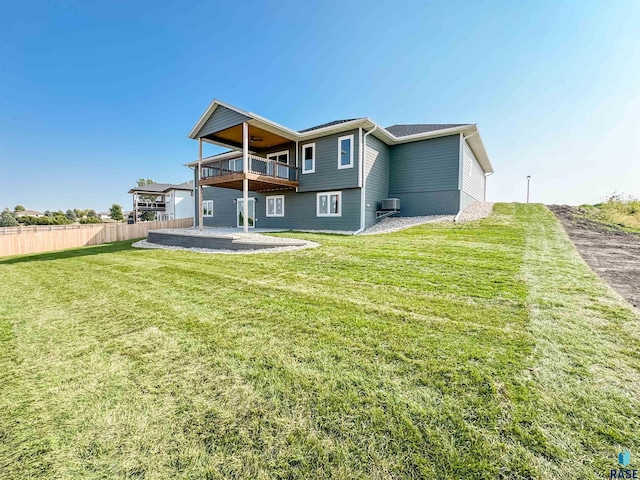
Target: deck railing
147 205
258 165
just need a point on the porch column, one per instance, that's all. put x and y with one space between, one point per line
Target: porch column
245 180
200 183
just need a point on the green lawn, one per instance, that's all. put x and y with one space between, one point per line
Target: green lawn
480 350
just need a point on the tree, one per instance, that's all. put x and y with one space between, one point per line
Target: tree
19 208
147 216
116 212
144 181
92 214
6 219
70 214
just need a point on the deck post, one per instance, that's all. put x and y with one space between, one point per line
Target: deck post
200 183
245 180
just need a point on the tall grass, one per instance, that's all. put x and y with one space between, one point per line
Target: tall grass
620 209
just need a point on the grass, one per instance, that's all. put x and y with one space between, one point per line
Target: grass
481 350
618 211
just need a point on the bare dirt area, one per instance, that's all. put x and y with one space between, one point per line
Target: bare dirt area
610 252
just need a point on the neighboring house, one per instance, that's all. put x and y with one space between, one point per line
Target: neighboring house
168 201
104 215
335 176
29 213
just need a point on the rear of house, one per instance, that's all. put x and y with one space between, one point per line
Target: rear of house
333 176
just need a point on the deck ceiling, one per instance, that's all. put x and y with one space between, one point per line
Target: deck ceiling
259 139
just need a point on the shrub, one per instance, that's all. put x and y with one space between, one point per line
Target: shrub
90 220
7 220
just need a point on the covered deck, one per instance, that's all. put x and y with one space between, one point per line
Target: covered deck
246 167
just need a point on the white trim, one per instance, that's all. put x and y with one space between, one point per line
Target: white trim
313 158
277 154
275 209
210 209
250 200
328 195
340 139
460 173
363 190
360 150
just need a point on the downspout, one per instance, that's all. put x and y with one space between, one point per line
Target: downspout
460 175
485 184
363 206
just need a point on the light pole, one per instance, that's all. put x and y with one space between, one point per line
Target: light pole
528 180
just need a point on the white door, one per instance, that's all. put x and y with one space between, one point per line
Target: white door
252 212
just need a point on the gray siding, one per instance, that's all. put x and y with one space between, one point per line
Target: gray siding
299 210
327 175
376 174
473 179
424 175
221 119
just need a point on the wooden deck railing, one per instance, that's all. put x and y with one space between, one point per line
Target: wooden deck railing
258 165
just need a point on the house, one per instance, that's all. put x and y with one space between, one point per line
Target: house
168 201
341 175
29 213
104 215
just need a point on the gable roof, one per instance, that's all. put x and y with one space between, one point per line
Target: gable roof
396 134
403 130
163 187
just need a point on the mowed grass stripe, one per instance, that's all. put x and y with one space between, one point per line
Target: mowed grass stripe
422 353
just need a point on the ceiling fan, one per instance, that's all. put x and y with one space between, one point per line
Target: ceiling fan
255 139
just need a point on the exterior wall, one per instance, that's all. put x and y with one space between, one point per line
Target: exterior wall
221 119
299 210
466 200
473 178
183 204
327 176
424 175
376 175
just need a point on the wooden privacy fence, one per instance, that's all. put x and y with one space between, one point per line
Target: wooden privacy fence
46 238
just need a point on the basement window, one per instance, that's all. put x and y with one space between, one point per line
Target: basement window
329 204
275 206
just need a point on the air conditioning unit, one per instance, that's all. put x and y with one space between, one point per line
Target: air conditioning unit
391 204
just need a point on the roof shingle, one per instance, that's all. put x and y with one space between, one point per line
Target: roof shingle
403 130
328 124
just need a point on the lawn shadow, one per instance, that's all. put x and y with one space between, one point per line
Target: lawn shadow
70 253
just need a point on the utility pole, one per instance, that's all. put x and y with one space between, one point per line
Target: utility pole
528 180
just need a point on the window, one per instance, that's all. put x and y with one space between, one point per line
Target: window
207 208
282 157
235 165
277 170
345 152
275 206
309 158
329 204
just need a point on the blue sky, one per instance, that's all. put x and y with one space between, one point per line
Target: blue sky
94 95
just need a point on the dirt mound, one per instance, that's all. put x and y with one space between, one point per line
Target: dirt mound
610 251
